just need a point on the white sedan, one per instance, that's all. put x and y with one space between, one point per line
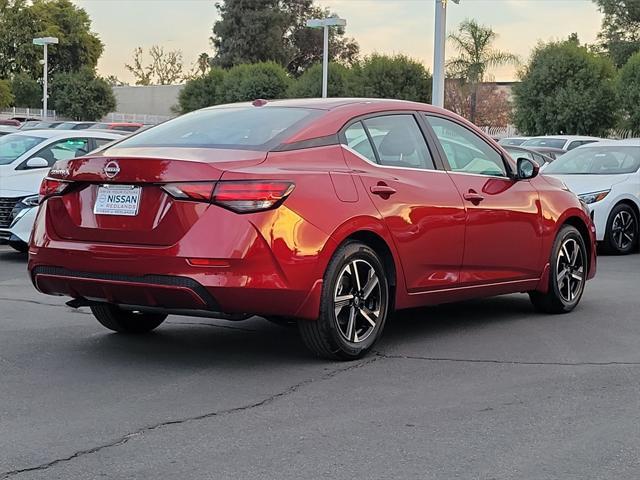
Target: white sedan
25 159
606 176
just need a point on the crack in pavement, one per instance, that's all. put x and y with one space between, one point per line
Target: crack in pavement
125 438
505 362
36 302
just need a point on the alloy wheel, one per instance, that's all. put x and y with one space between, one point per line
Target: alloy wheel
570 270
357 301
623 229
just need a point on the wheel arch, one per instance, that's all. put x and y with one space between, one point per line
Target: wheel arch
583 229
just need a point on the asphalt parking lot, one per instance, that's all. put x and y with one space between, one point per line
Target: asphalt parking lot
481 390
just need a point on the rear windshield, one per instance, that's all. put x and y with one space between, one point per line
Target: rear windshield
14 146
248 128
545 142
597 161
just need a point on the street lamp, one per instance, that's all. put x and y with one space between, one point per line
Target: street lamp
440 39
326 23
45 42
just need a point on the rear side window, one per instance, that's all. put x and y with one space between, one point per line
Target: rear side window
399 142
249 128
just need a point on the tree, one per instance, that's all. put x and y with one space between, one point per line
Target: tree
82 95
629 92
309 84
27 91
6 97
620 34
21 21
251 31
476 55
201 92
382 76
493 108
165 68
247 82
567 89
140 72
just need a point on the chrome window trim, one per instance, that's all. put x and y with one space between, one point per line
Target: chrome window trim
359 155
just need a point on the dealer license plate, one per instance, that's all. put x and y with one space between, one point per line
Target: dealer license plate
118 200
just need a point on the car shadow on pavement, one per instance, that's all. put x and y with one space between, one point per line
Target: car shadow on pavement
459 316
184 342
13 256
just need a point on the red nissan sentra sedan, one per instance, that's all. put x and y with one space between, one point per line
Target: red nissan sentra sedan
332 213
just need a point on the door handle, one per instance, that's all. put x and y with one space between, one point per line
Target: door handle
473 197
382 190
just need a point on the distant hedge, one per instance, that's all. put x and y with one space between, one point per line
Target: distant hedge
378 76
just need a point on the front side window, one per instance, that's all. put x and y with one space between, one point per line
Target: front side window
64 150
466 152
399 142
609 160
13 147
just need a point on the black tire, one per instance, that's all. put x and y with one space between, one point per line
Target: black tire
347 334
125 321
560 298
621 224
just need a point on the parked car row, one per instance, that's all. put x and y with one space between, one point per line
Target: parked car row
122 126
25 160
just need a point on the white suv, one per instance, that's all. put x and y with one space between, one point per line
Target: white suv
25 159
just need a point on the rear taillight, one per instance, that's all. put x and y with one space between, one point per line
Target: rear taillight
251 196
200 192
238 196
51 187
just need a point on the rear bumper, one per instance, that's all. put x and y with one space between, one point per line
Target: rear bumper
255 272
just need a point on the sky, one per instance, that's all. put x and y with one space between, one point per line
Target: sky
383 26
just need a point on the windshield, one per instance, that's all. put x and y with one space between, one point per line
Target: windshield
545 142
609 160
14 146
235 127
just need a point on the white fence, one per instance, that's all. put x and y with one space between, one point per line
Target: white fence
136 117
27 113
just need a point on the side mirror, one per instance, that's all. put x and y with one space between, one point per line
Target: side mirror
527 168
37 162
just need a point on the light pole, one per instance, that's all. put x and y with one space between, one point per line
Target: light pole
45 42
325 23
439 42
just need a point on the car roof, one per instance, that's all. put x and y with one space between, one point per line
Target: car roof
629 142
54 133
566 137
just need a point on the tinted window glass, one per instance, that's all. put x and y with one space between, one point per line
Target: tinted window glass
100 142
358 140
64 150
545 142
597 161
235 127
399 142
14 146
466 151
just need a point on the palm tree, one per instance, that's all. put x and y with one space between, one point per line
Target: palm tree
476 55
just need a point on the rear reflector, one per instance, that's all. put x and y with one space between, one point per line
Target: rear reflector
208 262
51 186
251 196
